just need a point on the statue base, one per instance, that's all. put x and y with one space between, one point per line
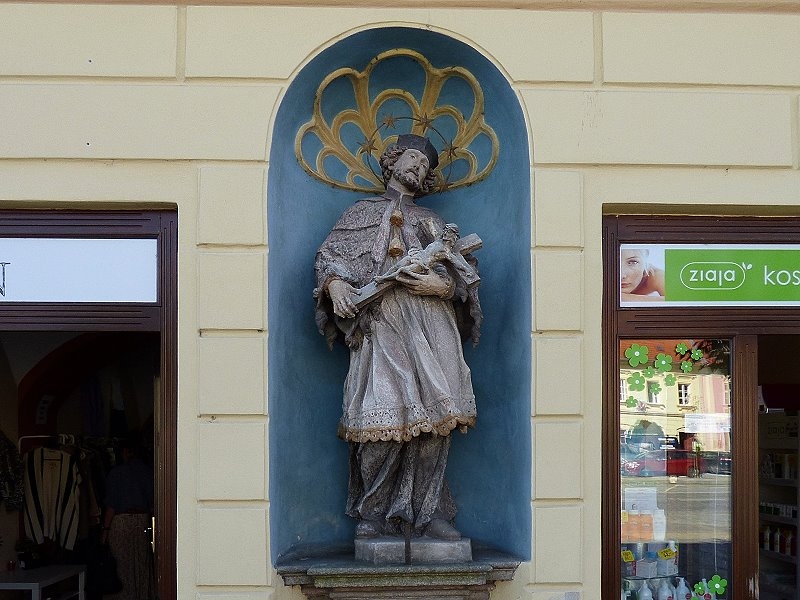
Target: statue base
388 550
331 573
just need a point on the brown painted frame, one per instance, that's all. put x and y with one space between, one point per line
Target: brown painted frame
741 325
160 316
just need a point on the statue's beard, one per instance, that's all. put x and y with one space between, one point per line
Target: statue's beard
410 179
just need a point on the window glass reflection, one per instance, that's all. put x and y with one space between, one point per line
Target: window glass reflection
675 467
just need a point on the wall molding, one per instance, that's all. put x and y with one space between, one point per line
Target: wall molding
735 6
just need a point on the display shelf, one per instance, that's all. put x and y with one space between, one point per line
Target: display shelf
779 482
635 578
778 451
778 520
778 556
775 587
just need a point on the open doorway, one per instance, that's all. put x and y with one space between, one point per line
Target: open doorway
82 411
90 315
779 401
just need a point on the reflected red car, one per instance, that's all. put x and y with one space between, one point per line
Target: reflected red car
672 461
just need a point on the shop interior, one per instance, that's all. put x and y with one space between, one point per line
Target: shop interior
74 406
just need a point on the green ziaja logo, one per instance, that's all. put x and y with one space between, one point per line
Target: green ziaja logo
714 275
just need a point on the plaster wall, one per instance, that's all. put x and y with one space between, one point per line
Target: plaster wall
113 105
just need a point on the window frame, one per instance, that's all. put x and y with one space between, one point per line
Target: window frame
741 325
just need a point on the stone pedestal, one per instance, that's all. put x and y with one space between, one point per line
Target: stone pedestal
326 573
387 550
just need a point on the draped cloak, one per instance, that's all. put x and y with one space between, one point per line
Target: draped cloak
407 372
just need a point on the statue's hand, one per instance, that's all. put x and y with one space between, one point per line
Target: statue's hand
425 282
342 295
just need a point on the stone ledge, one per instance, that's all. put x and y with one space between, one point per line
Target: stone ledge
327 572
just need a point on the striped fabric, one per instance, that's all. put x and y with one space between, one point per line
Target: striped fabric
51 496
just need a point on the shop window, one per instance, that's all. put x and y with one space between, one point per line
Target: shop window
709 303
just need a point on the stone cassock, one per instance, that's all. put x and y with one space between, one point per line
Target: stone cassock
408 386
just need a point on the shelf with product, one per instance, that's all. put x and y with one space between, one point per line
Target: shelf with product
658 588
778 503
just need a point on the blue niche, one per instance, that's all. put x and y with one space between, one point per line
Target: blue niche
489 468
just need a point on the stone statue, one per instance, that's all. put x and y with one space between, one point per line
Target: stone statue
408 386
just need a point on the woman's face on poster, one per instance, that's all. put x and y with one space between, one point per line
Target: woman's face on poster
633 264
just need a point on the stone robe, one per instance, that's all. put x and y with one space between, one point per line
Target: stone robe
407 386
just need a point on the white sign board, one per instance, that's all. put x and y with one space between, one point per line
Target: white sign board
641 498
78 270
707 423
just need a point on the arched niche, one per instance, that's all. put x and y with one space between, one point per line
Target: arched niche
489 469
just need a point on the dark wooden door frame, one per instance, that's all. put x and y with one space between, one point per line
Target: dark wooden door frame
160 316
741 325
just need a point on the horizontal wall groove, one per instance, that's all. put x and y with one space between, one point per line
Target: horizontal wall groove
142 80
642 166
138 161
209 332
557 418
231 418
557 502
231 333
556 334
754 6
238 589
221 504
559 588
553 248
655 86
218 247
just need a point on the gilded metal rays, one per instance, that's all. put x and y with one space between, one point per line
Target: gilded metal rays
341 144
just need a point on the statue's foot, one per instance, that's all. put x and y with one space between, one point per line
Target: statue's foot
442 530
368 529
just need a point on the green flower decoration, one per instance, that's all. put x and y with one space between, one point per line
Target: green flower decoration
670 379
663 363
697 354
649 372
655 389
631 402
636 382
686 366
718 585
636 355
681 348
699 589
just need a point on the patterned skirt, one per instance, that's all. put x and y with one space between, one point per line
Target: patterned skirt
129 539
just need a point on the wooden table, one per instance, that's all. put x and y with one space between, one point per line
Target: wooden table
37 579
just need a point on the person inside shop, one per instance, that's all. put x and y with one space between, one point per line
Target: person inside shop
127 525
639 280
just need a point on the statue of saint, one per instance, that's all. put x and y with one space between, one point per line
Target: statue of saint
408 386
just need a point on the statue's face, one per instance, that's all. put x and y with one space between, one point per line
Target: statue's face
411 169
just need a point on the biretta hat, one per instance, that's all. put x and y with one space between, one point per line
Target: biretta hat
423 144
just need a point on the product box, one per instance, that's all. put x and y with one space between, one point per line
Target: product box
646 568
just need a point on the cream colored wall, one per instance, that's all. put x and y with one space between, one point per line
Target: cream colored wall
105 105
